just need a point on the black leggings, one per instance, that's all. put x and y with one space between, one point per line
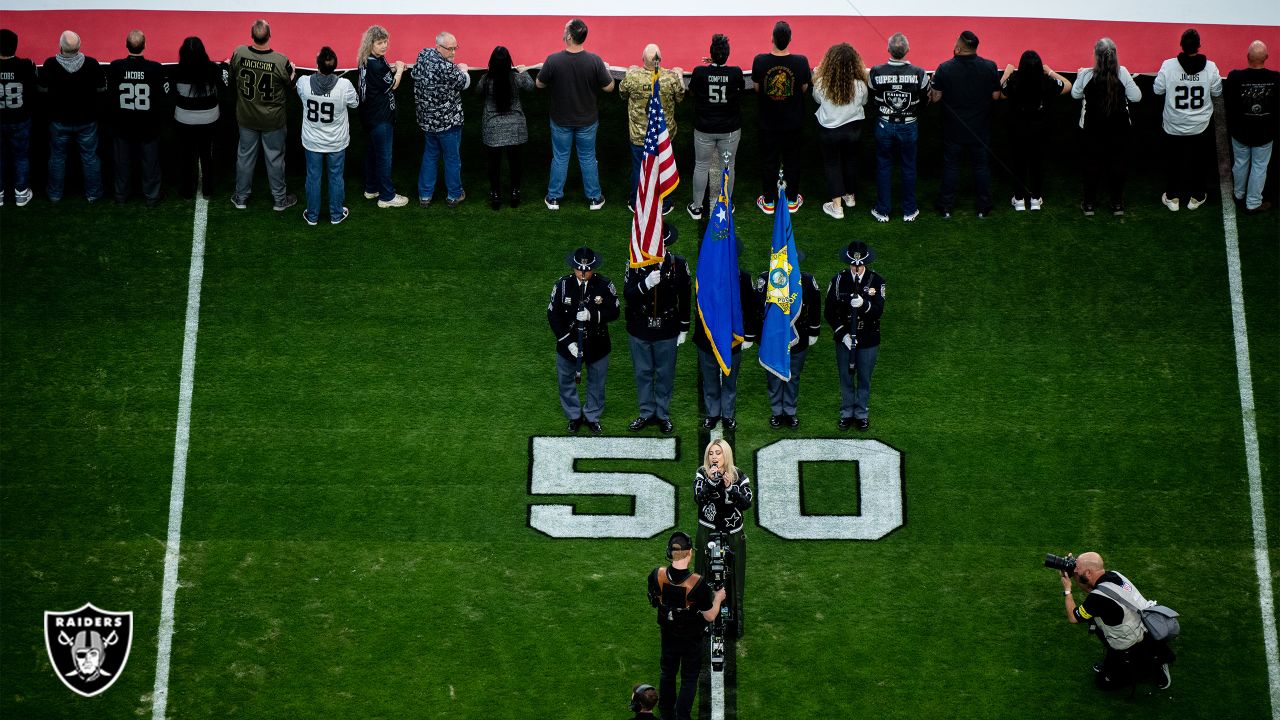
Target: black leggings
515 161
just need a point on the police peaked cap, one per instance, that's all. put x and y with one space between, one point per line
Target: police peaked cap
858 253
669 233
584 258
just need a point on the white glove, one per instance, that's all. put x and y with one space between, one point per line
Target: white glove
813 340
746 344
573 349
848 342
652 279
857 301
583 315
681 338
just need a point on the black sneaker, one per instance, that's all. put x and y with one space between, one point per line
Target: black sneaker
595 427
515 199
709 423
1117 210
730 424
845 423
793 422
695 211
639 424
595 203
551 203
666 426
574 424
495 201
287 202
1087 209
861 423
776 421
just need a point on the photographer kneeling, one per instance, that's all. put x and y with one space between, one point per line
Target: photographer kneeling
1132 657
685 605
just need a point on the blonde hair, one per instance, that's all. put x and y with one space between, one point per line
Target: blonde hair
375 33
731 470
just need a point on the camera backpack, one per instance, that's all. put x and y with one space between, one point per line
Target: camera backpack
1160 622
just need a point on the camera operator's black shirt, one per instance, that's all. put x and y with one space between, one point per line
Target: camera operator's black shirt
700 595
1097 605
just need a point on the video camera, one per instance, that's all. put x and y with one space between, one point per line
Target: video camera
719 568
1064 564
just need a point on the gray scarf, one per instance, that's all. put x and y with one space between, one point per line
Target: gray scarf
322 84
71 64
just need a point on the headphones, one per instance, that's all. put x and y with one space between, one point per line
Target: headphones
675 536
635 696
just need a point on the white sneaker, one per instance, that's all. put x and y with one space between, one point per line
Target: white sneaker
22 197
1193 203
849 201
1036 203
833 209
1171 204
595 203
912 217
370 196
2 193
1017 204
878 216
397 201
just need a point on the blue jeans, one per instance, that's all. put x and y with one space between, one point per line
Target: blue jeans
1249 171
317 163
562 141
377 161
16 141
896 143
86 138
439 144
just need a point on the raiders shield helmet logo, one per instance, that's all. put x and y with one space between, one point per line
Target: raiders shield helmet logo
88 647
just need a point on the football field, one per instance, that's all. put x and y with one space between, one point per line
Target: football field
348 455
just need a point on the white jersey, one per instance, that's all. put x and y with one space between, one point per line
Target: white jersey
1188 103
324 116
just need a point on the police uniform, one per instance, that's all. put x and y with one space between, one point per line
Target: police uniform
854 305
721 510
785 394
657 322
589 338
720 391
1131 655
680 597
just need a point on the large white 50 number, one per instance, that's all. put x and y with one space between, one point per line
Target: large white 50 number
878 477
553 474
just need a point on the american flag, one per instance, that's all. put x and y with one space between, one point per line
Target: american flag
658 177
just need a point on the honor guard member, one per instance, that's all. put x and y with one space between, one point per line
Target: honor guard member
855 301
785 394
720 391
723 493
685 605
658 322
139 110
581 308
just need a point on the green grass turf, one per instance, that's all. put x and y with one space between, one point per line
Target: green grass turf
355 539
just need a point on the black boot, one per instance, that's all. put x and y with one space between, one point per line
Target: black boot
515 198
494 201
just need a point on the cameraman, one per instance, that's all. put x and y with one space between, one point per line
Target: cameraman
1131 656
723 494
685 605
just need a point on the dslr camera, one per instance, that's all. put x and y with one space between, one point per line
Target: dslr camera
1064 564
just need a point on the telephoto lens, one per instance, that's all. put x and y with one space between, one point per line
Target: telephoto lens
1064 564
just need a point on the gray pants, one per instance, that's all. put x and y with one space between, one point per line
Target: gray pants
708 162
853 401
149 151
784 395
595 374
655 365
272 142
719 391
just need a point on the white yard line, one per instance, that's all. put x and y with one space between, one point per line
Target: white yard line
160 696
1262 563
717 694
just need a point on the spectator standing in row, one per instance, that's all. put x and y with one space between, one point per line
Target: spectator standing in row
18 78
781 81
73 81
840 89
262 78
196 82
636 88
897 88
717 124
1253 104
1188 82
1107 88
437 92
326 134
141 90
378 82
502 126
965 85
574 76
1030 89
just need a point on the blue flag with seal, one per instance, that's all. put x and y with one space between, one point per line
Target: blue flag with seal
783 294
719 298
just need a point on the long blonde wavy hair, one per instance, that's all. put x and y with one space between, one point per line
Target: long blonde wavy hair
374 34
731 470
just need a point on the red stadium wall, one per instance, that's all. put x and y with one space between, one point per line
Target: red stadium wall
1065 45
